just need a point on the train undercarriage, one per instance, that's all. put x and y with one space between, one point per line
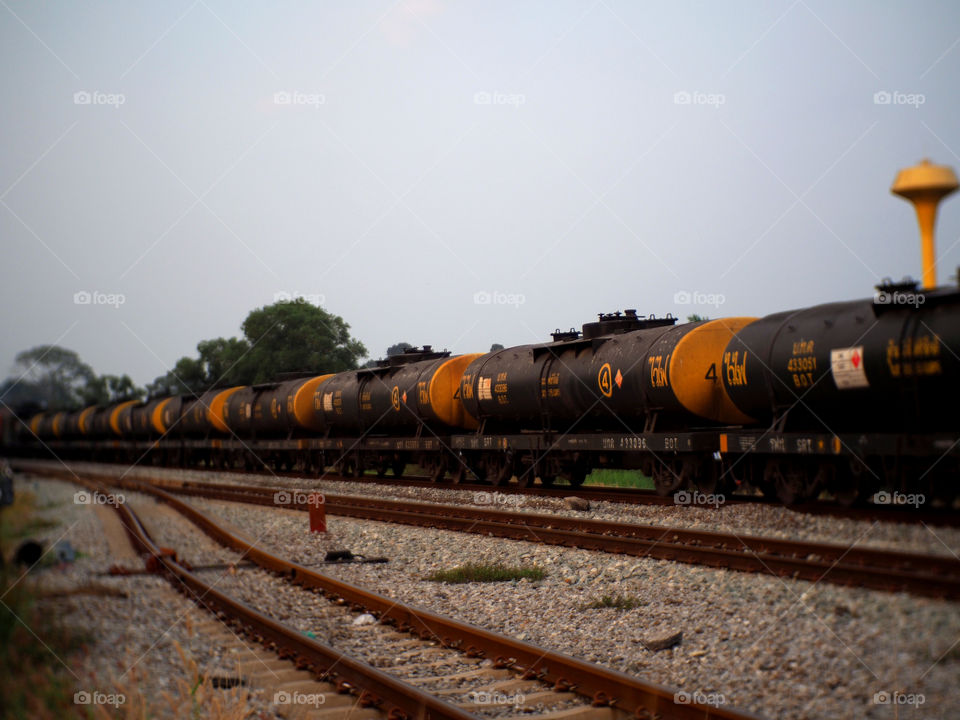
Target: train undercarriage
793 467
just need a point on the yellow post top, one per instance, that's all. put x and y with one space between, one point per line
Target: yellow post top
925 185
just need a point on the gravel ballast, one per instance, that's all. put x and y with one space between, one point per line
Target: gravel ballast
140 649
781 648
746 518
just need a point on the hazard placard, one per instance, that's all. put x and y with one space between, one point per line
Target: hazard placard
846 366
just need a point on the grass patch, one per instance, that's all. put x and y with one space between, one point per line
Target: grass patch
617 602
20 520
474 572
33 681
619 478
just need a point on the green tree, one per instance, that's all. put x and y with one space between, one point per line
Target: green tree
48 377
186 378
288 336
696 318
495 347
54 378
224 361
110 389
398 349
296 336
221 362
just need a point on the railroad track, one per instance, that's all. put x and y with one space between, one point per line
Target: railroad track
939 516
927 575
547 677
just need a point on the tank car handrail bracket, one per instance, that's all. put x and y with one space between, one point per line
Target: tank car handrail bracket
559 335
561 345
260 387
618 323
409 355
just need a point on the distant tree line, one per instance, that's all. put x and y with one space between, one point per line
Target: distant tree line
286 337
49 376
291 336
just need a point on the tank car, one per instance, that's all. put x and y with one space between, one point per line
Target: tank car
414 393
882 367
624 375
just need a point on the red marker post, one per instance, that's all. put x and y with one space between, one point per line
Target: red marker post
316 505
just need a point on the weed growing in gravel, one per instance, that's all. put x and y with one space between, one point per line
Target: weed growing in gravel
475 572
617 602
200 698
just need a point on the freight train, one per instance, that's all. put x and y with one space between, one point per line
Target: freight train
849 398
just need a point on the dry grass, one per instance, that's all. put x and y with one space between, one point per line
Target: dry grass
40 650
616 602
475 572
193 697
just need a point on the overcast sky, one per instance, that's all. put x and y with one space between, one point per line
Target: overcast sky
456 173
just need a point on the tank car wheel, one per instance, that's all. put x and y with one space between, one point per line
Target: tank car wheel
527 477
575 472
434 467
857 485
464 471
847 495
462 474
793 482
576 477
671 475
350 467
398 467
708 479
499 469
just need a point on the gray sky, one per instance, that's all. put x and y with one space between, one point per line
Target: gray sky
456 173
